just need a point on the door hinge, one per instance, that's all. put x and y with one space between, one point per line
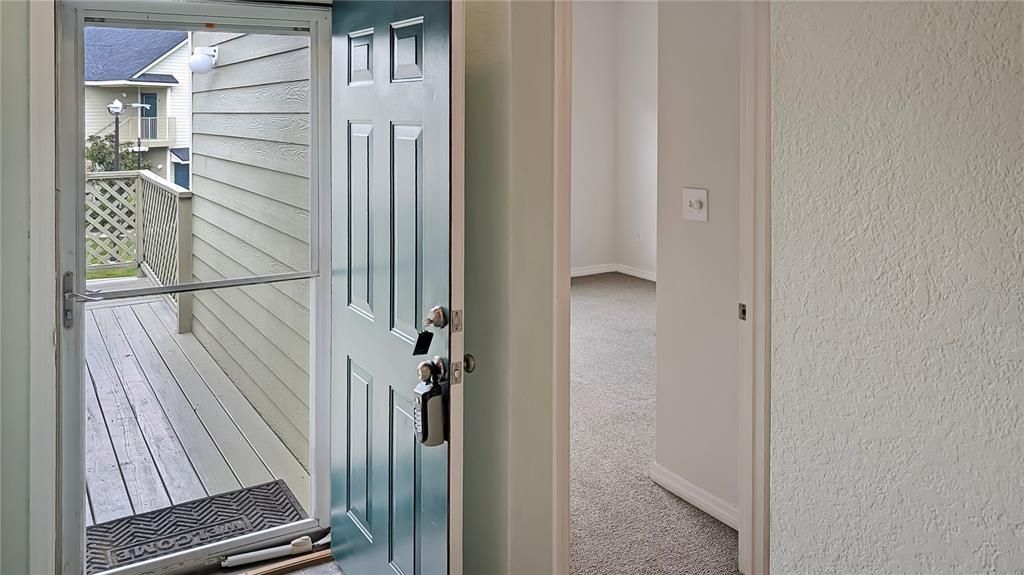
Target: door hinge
456 321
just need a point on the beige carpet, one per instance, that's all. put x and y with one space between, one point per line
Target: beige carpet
622 522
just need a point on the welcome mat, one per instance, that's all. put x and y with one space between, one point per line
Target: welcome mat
191 524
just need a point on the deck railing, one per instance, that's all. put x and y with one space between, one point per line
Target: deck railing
136 219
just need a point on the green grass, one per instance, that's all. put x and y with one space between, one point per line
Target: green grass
111 273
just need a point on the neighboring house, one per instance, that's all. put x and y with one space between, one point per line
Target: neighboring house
144 67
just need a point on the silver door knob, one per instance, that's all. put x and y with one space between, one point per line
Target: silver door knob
426 371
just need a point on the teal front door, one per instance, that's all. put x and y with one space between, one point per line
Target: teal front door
391 266
147 117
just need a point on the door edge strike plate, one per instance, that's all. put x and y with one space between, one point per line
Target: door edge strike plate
456 372
456 320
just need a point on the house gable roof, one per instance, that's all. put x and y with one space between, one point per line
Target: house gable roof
121 53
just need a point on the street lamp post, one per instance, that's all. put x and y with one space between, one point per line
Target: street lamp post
115 108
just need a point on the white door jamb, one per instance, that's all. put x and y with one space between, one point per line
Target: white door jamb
42 89
562 211
755 287
456 348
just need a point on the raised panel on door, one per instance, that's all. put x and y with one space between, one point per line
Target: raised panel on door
391 246
402 500
359 441
360 225
406 239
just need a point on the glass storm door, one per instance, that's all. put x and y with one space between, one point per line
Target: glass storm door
392 264
195 324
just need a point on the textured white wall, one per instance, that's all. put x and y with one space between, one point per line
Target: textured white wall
615 136
898 225
698 336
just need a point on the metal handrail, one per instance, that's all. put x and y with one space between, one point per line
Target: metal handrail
100 295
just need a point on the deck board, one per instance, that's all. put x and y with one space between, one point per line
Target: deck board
172 461
114 285
101 466
165 423
141 477
266 443
244 464
213 470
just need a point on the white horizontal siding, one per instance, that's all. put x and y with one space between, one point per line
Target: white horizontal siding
178 102
250 146
269 98
96 99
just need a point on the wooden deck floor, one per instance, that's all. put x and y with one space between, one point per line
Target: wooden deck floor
164 423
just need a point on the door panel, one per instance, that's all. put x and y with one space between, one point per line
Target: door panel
391 265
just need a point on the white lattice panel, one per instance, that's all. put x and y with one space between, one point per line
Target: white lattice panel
110 220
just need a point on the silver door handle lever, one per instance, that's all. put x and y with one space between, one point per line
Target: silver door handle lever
88 296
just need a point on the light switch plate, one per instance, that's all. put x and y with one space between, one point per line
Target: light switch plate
695 204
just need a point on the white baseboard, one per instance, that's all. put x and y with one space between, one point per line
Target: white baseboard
593 270
636 272
711 504
610 268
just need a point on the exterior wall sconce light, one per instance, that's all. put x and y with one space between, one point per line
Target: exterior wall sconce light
202 60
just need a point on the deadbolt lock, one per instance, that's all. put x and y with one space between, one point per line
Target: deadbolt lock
436 318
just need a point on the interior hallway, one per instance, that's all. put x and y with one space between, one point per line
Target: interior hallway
621 521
